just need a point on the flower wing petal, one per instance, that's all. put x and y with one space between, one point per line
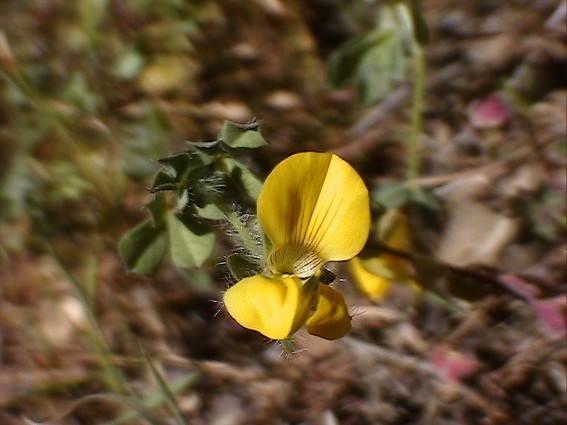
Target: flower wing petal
331 319
274 307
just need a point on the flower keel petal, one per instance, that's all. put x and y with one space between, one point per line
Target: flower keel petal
331 319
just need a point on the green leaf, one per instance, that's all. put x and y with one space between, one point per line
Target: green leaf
247 182
166 392
380 69
158 209
396 195
163 181
425 200
372 63
205 145
138 407
155 398
143 247
201 279
241 266
345 61
242 135
142 140
179 164
175 165
393 195
210 212
191 240
183 200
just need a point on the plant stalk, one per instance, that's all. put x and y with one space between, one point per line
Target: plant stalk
416 114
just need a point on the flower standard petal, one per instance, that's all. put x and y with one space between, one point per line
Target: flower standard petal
275 307
331 319
314 208
340 222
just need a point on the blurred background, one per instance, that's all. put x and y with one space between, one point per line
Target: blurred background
93 92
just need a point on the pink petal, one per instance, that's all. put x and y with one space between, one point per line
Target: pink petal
553 313
452 365
489 112
519 285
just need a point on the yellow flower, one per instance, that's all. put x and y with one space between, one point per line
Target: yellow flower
373 276
313 208
371 285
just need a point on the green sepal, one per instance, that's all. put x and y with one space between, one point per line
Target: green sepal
143 247
191 240
236 135
287 346
241 266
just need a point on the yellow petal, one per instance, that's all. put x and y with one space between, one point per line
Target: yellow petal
314 208
274 307
389 267
331 319
393 232
372 286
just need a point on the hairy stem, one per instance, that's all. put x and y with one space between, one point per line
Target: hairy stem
244 233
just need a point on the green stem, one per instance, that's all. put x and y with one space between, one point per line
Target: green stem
112 376
167 394
243 232
416 114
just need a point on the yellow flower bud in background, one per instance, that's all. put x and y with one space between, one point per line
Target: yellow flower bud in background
373 276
